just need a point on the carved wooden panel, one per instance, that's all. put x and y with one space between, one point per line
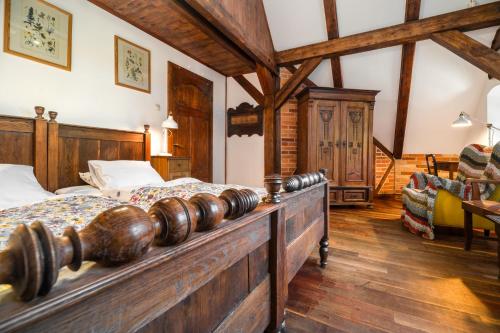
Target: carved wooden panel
355 143
245 120
327 117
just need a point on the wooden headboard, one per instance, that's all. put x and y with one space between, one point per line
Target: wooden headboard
70 147
24 141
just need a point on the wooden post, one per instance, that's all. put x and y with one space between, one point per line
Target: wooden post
272 122
40 146
53 153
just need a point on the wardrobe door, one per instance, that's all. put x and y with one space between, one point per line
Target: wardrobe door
328 138
355 145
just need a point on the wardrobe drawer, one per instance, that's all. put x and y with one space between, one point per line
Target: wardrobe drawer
179 165
360 195
175 175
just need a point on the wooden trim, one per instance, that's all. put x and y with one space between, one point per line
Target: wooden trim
118 38
383 148
474 18
250 88
332 28
294 82
6 37
479 55
412 13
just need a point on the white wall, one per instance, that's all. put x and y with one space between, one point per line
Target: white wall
493 111
443 84
88 96
245 155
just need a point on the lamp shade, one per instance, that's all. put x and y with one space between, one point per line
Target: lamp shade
169 122
463 120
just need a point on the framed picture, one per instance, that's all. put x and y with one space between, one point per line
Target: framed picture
132 65
39 31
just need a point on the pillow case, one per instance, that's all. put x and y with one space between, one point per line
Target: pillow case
122 174
87 177
19 187
80 190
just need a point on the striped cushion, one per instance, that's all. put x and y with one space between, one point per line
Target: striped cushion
473 160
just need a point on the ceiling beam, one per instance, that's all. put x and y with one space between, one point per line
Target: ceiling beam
495 44
250 89
294 82
244 23
411 14
464 20
332 28
292 69
471 50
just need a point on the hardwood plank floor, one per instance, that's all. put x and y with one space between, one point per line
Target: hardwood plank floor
381 278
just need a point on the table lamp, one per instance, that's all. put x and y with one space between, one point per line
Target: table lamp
166 125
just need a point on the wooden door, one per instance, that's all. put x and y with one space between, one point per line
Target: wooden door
327 119
355 144
190 99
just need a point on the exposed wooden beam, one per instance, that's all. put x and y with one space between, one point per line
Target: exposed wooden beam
294 82
384 177
332 28
495 45
244 23
464 20
292 69
471 50
272 121
405 75
383 148
250 89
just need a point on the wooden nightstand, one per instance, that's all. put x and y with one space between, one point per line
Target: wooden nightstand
172 167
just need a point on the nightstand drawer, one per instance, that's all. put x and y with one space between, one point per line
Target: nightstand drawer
175 175
180 165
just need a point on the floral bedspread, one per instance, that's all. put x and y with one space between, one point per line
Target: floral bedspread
145 197
56 214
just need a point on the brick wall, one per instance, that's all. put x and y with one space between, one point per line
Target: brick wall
398 176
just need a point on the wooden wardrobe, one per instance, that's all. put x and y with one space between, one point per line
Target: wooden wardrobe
335 132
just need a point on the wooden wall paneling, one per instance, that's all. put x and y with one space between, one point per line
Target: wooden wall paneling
250 89
474 18
470 50
272 143
411 14
177 24
244 23
279 283
294 82
332 28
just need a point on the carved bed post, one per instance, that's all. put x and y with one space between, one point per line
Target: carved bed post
40 146
323 244
33 256
53 153
147 143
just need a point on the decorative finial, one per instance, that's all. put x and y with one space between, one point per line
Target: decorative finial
52 116
39 110
273 187
146 128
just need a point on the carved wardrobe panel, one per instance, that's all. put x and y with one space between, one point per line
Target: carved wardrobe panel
335 133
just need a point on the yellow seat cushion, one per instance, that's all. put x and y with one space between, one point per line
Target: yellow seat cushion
448 211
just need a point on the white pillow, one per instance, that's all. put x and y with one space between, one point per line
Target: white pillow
81 190
87 177
121 174
19 187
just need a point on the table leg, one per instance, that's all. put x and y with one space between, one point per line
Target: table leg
497 231
468 229
450 174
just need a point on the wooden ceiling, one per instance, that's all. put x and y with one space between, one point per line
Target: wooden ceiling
177 24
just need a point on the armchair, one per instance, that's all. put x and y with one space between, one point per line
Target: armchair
430 201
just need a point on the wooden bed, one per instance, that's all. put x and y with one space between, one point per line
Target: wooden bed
231 278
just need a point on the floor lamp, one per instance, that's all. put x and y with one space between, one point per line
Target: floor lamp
465 120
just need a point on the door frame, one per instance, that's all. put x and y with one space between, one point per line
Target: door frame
170 93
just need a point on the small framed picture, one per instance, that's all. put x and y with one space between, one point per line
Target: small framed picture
39 31
132 65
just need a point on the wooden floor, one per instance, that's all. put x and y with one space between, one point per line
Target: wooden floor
381 278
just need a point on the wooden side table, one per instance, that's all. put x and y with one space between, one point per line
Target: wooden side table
171 167
450 166
484 208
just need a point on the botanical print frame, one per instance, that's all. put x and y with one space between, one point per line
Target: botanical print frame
132 65
39 31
